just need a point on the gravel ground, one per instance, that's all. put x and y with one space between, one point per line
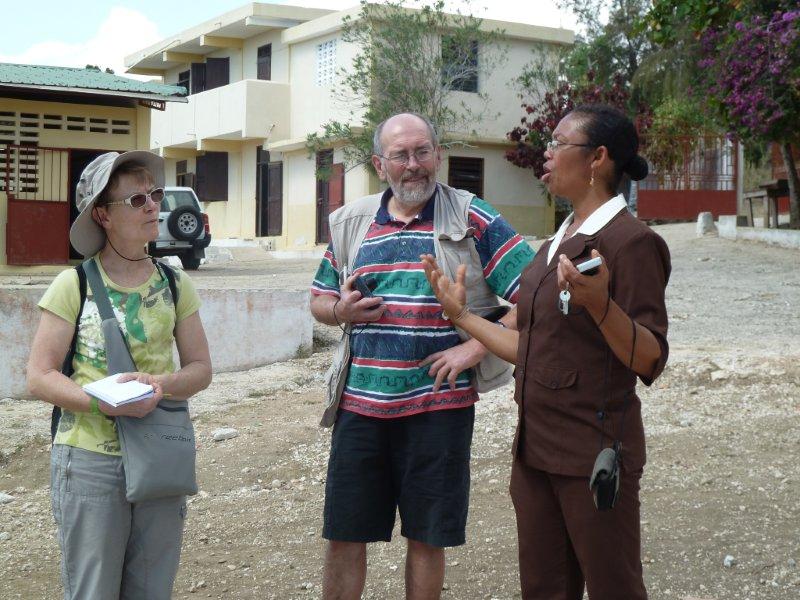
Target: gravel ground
721 483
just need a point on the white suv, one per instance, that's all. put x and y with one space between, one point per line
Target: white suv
183 229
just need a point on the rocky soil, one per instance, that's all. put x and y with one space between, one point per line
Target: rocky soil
720 509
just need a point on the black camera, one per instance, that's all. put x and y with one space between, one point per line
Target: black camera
365 285
604 482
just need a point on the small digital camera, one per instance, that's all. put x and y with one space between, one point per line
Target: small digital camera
365 285
604 482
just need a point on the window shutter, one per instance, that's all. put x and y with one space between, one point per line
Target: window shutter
198 77
275 198
217 72
264 62
212 176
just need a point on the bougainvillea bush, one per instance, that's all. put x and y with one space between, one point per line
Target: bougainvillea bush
752 75
751 81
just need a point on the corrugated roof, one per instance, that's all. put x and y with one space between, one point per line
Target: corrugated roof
82 79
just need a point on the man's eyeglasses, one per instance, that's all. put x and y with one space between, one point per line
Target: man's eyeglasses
421 155
554 145
139 200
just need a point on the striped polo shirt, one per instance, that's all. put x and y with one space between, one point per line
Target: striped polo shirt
385 379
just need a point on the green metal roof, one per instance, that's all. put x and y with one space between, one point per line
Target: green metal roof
83 80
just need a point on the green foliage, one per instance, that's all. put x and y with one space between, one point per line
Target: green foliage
615 46
409 60
668 19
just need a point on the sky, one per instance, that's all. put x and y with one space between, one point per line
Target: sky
101 32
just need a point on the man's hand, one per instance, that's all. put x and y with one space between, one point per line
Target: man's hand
451 362
352 308
134 409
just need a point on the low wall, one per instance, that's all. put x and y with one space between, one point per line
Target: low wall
787 238
245 329
683 205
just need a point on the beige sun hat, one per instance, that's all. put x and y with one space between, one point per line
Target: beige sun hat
86 236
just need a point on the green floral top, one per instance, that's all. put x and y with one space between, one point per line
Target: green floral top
147 318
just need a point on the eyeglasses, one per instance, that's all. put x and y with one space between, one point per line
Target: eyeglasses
554 145
421 155
139 200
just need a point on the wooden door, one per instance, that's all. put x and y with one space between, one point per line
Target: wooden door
324 165
274 198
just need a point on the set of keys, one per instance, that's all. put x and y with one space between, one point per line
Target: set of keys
563 301
587 267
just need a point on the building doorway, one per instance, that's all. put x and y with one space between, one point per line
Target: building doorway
330 192
77 163
269 194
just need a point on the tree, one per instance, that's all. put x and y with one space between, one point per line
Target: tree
409 60
749 69
611 47
673 136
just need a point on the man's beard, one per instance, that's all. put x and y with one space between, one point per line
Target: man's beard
412 195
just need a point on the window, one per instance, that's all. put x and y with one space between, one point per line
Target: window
326 63
466 173
182 176
183 80
264 62
214 73
459 65
175 198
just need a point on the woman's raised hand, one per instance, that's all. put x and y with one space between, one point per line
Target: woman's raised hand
451 295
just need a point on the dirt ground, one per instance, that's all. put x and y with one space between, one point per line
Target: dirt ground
722 479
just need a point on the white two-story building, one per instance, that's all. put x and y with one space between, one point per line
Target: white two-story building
261 78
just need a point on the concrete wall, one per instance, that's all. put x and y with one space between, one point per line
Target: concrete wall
245 329
728 229
312 104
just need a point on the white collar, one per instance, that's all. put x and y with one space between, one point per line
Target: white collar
593 223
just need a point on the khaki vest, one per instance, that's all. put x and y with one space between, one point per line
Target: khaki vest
453 245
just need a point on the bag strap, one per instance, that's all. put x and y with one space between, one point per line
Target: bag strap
66 367
99 292
169 273
118 353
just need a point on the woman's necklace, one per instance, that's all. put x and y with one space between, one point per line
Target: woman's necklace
125 257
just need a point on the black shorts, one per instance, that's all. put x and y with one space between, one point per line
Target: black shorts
419 464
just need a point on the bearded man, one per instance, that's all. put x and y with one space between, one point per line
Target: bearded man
401 438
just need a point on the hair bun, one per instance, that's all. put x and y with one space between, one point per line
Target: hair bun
637 168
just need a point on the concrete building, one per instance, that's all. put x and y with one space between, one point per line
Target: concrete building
53 122
261 79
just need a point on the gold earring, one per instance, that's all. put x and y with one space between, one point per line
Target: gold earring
591 180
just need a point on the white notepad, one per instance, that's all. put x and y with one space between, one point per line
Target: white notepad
116 394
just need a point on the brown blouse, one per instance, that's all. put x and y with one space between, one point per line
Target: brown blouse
565 369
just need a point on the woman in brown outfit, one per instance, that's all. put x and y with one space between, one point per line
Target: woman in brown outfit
581 342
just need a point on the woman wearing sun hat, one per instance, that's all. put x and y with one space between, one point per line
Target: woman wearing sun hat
112 548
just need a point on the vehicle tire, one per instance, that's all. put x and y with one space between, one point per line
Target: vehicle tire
185 223
189 261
